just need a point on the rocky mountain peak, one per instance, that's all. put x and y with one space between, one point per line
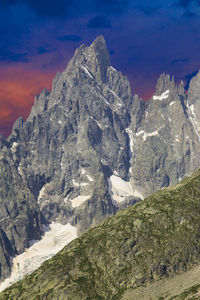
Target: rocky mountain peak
89 147
165 82
95 59
194 88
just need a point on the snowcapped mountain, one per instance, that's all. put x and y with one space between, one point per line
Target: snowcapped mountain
89 148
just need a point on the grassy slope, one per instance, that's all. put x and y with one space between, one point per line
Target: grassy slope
155 238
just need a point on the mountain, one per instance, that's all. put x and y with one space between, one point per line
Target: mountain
154 239
21 220
89 148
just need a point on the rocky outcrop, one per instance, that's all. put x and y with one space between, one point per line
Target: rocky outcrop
20 217
166 142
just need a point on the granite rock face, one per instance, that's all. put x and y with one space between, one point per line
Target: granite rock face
89 147
75 138
20 217
166 138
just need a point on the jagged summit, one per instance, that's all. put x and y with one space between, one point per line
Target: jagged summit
164 83
96 58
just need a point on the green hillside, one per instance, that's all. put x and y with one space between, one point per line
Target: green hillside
156 238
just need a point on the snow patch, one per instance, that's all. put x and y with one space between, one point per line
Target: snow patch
90 178
96 122
75 183
41 193
192 117
164 95
145 134
14 146
78 200
131 139
120 189
87 71
172 103
112 68
115 96
78 184
20 169
83 171
84 183
52 242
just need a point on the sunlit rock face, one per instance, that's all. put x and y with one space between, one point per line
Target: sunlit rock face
89 148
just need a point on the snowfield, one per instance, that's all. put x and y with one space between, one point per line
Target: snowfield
120 189
164 95
55 238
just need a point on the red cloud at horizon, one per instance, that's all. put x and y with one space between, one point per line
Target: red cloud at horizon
18 88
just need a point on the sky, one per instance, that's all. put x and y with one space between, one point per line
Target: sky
145 38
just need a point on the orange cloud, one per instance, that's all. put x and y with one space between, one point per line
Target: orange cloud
18 88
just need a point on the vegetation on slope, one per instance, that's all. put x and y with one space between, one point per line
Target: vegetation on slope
153 239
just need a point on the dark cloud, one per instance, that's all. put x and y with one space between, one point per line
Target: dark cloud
45 8
179 60
114 6
68 8
99 22
42 50
14 57
189 14
70 38
188 77
148 10
184 3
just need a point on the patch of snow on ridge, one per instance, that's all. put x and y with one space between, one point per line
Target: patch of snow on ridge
84 183
114 94
172 103
145 134
20 169
96 122
192 117
42 193
90 178
112 68
83 171
131 139
78 200
120 189
13 148
75 183
87 71
52 242
164 95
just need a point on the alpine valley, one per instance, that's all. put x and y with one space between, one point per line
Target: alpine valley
88 149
